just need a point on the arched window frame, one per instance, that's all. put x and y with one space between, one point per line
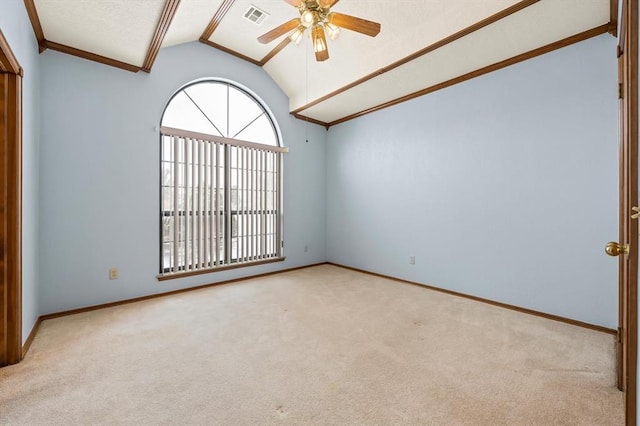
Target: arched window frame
220 198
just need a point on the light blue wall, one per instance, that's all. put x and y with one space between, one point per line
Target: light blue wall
503 187
16 28
99 190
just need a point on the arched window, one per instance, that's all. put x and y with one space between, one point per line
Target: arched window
220 181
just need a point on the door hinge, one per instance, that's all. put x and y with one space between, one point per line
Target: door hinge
620 91
619 336
619 51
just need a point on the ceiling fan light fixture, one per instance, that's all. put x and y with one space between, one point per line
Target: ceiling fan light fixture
316 16
307 18
296 36
319 44
332 30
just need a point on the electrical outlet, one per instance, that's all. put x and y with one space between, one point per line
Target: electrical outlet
412 260
113 273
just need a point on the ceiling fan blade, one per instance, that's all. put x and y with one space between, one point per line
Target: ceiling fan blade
320 43
322 56
294 3
278 31
352 23
327 3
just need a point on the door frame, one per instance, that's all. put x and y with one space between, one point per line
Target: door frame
628 292
10 206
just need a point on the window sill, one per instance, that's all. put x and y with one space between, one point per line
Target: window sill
176 275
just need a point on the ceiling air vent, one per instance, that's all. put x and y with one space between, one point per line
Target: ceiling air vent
255 15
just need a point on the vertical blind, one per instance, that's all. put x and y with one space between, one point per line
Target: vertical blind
220 200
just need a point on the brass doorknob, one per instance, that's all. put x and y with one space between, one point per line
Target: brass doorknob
616 249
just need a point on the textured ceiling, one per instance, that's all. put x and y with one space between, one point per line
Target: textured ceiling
121 30
423 44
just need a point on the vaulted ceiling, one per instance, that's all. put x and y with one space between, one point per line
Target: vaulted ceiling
423 45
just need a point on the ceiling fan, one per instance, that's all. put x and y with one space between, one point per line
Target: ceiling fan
316 14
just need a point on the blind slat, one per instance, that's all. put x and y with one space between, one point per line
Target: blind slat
176 218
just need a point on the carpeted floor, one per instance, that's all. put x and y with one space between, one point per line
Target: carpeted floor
316 346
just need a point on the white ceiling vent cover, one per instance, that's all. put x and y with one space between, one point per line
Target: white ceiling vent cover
255 15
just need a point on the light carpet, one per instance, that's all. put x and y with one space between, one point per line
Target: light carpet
317 346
